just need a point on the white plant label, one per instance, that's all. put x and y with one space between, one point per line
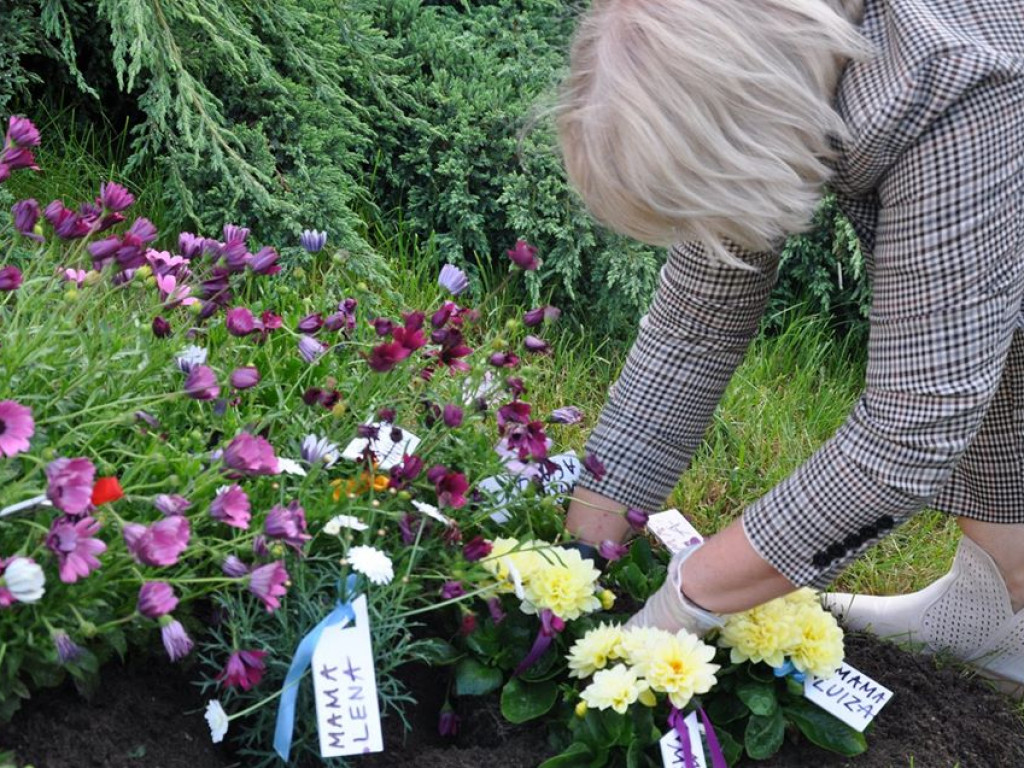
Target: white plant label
345 688
673 530
672 755
850 695
21 506
388 452
502 488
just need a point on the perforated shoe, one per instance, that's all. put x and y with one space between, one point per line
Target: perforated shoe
966 613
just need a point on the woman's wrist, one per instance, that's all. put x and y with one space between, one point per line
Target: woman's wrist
593 518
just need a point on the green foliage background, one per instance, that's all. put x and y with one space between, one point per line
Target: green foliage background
363 117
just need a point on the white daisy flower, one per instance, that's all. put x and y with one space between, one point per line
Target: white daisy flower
333 526
190 357
24 579
372 563
431 511
290 466
316 449
217 719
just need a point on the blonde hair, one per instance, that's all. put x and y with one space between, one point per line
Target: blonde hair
705 120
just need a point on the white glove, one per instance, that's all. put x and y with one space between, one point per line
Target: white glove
668 609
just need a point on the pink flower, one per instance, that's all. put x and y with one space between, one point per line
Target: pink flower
384 357
10 278
452 589
450 486
114 197
268 582
171 504
476 548
288 524
611 551
523 255
636 518
70 484
252 455
177 643
156 598
245 377
452 415
76 550
240 321
16 427
231 506
516 412
538 345
244 669
160 544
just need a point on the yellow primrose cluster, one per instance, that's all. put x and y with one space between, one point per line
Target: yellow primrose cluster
794 627
543 576
650 661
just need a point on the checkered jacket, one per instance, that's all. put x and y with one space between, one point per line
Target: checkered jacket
933 180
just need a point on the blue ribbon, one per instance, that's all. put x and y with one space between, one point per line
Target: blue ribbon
788 668
302 659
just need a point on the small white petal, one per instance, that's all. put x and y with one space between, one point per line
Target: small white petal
290 466
217 719
333 526
431 511
372 563
25 579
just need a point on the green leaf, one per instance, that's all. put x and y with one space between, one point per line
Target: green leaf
634 754
726 709
437 652
764 735
573 757
759 697
825 730
474 679
521 701
731 749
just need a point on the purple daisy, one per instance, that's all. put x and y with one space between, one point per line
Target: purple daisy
70 483
76 550
16 427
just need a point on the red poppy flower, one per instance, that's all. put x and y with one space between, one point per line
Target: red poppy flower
105 490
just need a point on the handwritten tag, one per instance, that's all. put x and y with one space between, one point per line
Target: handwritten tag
345 687
673 530
672 755
850 695
503 488
388 452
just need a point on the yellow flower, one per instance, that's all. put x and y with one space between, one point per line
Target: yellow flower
638 642
803 597
679 665
511 560
764 633
819 647
563 582
607 598
581 709
594 650
614 688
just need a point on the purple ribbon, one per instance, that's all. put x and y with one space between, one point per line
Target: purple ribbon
678 723
550 625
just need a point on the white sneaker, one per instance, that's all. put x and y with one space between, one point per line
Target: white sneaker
966 613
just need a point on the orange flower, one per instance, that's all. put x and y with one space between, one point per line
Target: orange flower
105 490
379 483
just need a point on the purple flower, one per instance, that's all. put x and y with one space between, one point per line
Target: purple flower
453 279
611 551
636 518
235 234
67 649
245 377
408 526
21 132
10 278
538 345
177 643
452 590
450 486
264 262
252 455
494 608
268 582
156 599
310 348
69 484
452 415
313 240
315 449
231 506
516 412
76 550
503 360
570 414
190 357
26 214
311 323
288 524
114 197
201 383
16 427
448 722
161 328
160 544
594 466
67 224
404 473
384 357
523 255
476 548
234 567
240 321
244 669
171 504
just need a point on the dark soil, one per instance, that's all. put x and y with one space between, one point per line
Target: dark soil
147 715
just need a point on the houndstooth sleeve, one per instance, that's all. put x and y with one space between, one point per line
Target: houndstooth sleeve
696 332
948 286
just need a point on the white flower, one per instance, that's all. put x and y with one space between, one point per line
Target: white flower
24 578
290 466
316 449
191 356
431 511
217 719
372 563
333 526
